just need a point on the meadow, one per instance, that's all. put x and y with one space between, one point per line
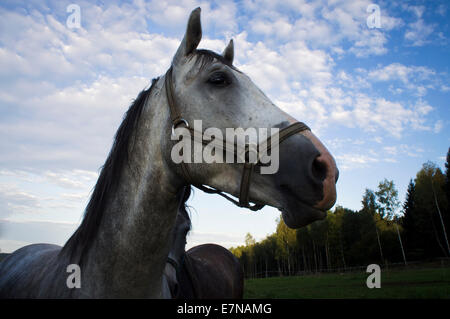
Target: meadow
420 283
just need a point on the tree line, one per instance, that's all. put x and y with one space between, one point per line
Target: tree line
384 231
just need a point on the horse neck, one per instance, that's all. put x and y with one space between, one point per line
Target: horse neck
127 256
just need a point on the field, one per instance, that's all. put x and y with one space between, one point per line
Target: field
399 283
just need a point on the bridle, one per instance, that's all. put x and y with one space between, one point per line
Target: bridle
266 145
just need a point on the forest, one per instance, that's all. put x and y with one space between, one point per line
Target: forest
385 231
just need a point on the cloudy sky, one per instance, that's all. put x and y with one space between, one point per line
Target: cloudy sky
376 91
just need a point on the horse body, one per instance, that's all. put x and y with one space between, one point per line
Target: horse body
124 239
211 272
27 272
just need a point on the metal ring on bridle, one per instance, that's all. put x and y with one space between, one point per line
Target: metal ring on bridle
178 122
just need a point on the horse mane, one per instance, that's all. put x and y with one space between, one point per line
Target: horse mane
109 177
184 208
108 180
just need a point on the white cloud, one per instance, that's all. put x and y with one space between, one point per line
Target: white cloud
220 16
347 162
85 117
371 114
418 32
416 10
371 43
403 149
283 27
275 70
13 200
43 47
72 179
45 195
400 72
378 139
349 156
442 9
415 80
322 24
438 126
340 144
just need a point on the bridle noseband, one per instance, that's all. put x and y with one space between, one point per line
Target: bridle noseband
244 200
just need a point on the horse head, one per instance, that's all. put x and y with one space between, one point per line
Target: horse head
203 85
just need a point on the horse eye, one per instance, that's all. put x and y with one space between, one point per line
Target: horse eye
219 79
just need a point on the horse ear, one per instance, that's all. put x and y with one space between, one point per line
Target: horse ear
228 53
192 36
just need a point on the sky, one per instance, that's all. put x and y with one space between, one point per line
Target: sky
370 78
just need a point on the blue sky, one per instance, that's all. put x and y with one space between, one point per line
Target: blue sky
377 97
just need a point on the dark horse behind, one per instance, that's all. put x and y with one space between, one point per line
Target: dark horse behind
207 271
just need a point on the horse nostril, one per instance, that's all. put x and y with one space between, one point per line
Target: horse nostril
319 168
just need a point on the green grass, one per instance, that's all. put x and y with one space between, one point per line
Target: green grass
405 283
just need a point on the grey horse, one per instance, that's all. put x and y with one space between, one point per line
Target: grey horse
121 247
